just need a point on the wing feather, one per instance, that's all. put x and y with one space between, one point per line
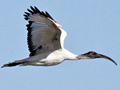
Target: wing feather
43 32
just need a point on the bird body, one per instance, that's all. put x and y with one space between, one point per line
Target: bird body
48 58
46 42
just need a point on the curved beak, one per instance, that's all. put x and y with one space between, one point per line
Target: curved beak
93 55
106 57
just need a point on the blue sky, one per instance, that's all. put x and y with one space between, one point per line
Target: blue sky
90 24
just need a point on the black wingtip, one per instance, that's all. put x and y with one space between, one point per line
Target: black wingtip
48 15
32 8
30 11
27 13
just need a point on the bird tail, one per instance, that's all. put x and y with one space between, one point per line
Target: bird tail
18 62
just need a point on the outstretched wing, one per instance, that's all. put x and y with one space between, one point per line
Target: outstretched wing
44 34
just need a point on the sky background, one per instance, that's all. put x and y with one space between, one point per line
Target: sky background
92 25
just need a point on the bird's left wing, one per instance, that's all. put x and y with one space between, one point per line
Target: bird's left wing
43 32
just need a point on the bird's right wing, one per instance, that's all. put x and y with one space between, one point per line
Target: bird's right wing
43 32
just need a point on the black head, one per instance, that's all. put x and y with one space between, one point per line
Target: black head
92 55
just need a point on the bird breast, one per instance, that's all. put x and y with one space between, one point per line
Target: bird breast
55 57
59 56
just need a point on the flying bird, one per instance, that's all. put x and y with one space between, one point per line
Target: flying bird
45 42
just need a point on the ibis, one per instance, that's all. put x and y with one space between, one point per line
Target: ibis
46 42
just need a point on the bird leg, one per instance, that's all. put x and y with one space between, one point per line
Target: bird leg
13 63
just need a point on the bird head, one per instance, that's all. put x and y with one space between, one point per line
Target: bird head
93 55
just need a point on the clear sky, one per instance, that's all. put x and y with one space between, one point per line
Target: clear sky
90 24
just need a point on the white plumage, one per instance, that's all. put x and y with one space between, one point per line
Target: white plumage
46 40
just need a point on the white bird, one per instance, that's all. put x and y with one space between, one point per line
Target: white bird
45 42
